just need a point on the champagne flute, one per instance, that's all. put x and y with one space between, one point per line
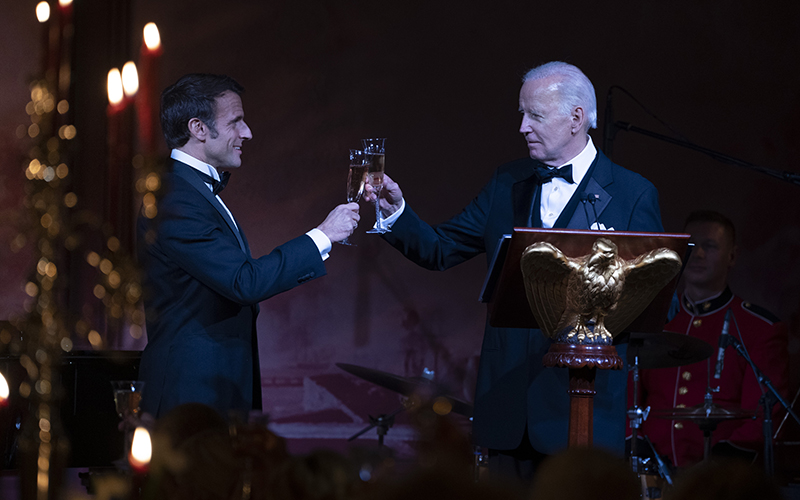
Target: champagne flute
375 155
127 400
356 177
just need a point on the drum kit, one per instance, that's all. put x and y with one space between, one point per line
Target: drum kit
667 350
645 351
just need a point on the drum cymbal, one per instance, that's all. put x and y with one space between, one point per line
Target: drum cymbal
666 349
406 386
704 412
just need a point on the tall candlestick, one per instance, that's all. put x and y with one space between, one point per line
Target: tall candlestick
43 15
64 53
147 102
115 115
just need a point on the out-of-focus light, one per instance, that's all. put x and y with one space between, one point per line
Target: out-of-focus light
114 86
141 450
152 38
3 390
130 79
43 12
64 3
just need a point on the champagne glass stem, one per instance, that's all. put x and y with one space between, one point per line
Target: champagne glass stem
378 218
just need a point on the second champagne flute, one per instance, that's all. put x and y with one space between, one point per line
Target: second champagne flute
375 155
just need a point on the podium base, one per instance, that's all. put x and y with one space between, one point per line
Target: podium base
583 362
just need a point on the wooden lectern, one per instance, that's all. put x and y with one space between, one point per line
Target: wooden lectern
504 290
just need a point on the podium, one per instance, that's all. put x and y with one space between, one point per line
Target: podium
505 292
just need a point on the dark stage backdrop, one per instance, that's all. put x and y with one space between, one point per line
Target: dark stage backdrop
441 81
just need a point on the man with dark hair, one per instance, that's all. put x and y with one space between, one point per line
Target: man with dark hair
202 286
521 409
704 303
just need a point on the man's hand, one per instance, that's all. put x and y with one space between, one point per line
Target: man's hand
391 196
341 222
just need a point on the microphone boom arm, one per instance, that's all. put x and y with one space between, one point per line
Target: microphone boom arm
787 176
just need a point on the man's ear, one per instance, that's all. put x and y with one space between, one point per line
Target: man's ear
198 129
578 117
734 254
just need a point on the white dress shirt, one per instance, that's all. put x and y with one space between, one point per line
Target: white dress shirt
319 238
557 193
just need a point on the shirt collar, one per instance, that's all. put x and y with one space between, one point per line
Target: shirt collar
708 305
193 162
582 162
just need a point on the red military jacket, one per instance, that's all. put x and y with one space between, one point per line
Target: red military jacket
766 340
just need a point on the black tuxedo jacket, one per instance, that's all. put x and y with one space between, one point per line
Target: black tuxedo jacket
201 295
513 389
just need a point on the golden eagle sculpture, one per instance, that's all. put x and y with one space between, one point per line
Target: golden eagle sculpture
590 299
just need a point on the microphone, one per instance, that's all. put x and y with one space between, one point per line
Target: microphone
592 199
608 125
723 343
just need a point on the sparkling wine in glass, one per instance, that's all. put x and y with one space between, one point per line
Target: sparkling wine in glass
356 177
127 397
375 156
127 400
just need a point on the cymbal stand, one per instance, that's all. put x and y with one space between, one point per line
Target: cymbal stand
637 416
382 423
708 426
661 466
767 400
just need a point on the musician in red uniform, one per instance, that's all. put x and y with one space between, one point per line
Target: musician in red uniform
705 300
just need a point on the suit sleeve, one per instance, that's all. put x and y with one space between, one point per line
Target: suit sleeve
447 244
194 236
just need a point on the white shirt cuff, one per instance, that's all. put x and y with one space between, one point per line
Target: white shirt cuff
387 222
322 241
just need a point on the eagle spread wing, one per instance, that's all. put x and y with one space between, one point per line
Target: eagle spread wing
645 276
546 272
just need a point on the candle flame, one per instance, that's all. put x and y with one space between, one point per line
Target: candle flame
130 79
152 39
114 86
43 12
141 447
64 3
3 388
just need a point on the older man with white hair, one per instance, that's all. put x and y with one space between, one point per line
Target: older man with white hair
521 409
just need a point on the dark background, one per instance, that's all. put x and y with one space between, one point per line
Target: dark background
441 81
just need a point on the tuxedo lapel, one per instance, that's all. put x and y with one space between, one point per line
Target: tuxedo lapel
187 173
599 177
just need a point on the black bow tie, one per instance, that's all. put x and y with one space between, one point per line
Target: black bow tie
216 186
545 173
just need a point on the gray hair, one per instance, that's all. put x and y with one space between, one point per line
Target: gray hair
574 88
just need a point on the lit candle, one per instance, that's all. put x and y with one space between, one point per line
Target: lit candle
147 102
43 15
114 113
63 57
115 91
130 79
141 451
4 392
